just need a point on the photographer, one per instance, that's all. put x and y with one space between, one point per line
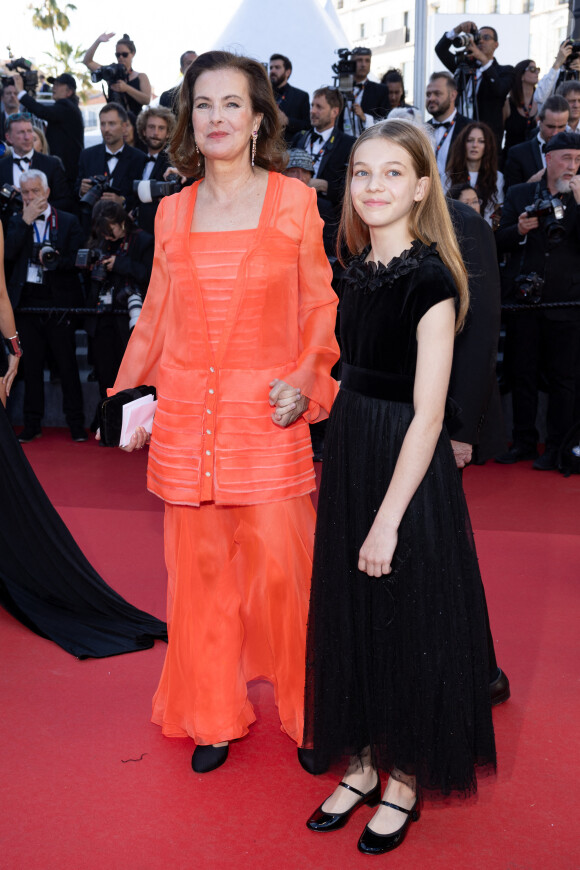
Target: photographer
566 66
120 267
65 130
155 127
170 99
328 146
112 165
42 243
127 87
369 101
527 162
9 105
20 135
483 84
540 229
571 92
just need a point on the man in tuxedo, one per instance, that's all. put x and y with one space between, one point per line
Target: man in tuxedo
19 135
35 283
447 122
9 105
483 94
170 99
120 163
65 129
293 104
571 92
328 146
154 127
546 340
370 101
526 162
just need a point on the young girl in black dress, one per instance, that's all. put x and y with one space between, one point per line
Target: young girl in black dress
397 674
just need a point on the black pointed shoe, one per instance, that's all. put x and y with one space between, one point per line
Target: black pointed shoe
309 763
206 758
371 843
321 821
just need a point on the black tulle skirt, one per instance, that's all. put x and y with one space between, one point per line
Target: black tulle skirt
399 663
45 580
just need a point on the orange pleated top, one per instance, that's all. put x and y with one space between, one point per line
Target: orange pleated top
213 437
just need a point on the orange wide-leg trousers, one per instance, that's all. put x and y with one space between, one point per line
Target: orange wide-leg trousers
239 585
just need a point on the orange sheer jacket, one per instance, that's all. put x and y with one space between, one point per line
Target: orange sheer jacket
213 436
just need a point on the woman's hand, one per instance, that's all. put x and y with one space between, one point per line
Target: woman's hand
104 37
11 373
289 401
120 87
376 554
139 439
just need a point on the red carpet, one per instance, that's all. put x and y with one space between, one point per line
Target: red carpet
89 782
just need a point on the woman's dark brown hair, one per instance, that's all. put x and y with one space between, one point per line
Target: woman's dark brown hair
125 40
517 93
457 171
270 147
105 213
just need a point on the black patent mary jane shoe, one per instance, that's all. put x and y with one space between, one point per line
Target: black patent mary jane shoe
371 843
321 821
206 758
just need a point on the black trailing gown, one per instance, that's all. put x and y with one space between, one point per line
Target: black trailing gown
397 663
45 580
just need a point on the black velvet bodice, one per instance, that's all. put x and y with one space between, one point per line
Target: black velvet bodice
381 307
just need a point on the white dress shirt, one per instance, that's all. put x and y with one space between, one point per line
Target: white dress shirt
17 170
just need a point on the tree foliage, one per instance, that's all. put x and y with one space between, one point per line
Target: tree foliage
64 57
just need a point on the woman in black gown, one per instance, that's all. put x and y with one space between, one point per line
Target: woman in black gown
397 674
45 580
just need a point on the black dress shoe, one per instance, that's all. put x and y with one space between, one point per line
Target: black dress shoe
308 762
206 758
29 433
78 433
377 844
322 821
548 461
499 689
517 453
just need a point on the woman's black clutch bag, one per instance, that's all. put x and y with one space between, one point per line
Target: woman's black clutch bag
111 412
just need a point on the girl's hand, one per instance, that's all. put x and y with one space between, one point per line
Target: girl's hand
376 554
139 439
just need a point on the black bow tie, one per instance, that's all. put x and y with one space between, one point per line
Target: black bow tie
20 160
41 217
446 124
152 157
315 137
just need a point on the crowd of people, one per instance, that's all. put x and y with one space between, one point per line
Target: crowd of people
491 127
231 248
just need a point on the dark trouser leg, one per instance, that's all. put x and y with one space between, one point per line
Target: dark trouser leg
523 366
561 342
61 339
33 339
108 346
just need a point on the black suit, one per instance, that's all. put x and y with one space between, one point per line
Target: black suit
38 332
545 340
333 162
296 106
170 99
146 211
128 169
64 132
522 162
460 122
60 195
494 86
473 383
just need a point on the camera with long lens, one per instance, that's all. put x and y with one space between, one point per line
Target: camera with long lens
528 288
344 71
100 287
92 258
550 213
114 72
45 255
130 296
99 184
575 54
10 199
464 40
29 75
152 190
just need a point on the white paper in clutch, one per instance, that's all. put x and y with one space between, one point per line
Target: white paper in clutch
140 412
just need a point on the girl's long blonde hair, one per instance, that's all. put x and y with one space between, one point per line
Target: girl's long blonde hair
429 219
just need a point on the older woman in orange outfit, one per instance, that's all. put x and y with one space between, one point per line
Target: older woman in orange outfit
237 334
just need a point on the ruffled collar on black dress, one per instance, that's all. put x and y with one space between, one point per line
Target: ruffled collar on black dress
370 276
